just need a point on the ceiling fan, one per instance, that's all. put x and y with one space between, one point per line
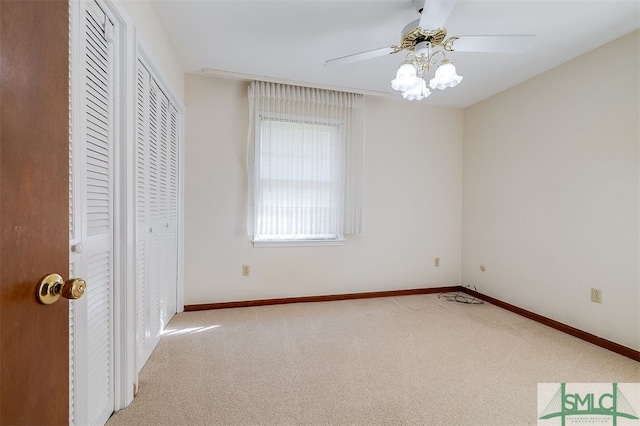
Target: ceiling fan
425 39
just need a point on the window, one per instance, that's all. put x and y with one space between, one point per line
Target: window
299 180
305 165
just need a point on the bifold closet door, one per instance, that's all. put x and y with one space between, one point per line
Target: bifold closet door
157 139
142 214
171 246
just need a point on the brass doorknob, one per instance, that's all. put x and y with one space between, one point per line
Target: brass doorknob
52 286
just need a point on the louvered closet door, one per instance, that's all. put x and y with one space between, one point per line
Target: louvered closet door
172 212
92 400
157 139
148 168
168 211
143 225
153 288
162 221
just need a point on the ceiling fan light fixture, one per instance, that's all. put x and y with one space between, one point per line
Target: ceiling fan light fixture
445 76
406 77
417 92
426 40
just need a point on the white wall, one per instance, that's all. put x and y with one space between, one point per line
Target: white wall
551 193
413 194
153 37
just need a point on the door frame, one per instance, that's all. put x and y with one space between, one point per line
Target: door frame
124 321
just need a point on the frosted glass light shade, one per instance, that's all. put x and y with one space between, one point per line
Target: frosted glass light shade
405 78
417 92
445 76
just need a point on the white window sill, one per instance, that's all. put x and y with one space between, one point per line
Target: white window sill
297 243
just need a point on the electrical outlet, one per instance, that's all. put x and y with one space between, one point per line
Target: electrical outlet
245 270
436 262
596 295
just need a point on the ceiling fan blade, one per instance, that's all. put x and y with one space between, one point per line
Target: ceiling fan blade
435 13
494 43
356 57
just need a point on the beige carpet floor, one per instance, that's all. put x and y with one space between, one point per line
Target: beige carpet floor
411 360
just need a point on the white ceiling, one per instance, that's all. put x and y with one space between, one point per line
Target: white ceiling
291 40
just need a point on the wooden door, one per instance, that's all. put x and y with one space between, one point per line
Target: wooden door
34 209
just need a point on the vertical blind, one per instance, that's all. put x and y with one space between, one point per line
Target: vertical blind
304 160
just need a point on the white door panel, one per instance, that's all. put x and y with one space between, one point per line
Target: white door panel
157 139
92 224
